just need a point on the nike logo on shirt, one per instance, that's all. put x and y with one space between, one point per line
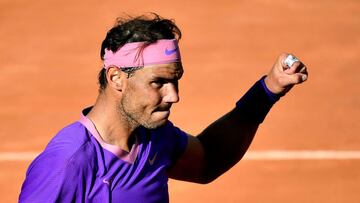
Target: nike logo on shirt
107 182
151 161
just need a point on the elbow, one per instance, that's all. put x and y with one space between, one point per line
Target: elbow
205 181
209 176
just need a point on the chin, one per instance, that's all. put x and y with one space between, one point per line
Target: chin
154 125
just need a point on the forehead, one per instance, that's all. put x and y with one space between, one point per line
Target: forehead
167 71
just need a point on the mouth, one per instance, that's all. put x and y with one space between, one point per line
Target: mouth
166 114
163 108
163 112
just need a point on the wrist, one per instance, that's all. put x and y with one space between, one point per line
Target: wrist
272 85
256 103
272 96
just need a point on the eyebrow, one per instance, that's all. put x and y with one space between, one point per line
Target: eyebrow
172 76
157 78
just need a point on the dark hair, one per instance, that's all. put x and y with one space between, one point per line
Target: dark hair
145 28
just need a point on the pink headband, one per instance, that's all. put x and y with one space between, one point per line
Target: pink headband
135 54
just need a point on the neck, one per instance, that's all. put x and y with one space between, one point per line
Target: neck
113 127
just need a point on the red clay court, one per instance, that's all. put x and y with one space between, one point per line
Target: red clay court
308 148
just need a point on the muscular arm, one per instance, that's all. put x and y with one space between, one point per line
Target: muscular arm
222 144
225 143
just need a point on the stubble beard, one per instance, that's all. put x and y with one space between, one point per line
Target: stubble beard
134 117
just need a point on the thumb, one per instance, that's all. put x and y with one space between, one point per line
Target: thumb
294 79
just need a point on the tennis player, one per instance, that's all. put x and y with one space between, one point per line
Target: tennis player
124 148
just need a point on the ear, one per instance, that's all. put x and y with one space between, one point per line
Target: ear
115 78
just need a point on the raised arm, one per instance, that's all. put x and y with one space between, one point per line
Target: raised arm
222 144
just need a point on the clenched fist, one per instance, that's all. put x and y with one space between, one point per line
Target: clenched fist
282 78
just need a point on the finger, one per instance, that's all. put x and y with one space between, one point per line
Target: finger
295 68
291 64
282 59
289 60
296 78
303 70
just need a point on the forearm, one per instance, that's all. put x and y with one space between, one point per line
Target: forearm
226 140
221 145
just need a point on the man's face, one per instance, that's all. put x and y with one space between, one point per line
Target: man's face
149 93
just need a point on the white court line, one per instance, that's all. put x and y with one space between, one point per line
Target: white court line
251 155
18 156
302 155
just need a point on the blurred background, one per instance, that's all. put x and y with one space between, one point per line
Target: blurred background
50 58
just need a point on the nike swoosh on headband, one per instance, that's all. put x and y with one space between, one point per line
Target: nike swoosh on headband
163 51
171 51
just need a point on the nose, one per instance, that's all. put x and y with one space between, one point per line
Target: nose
171 94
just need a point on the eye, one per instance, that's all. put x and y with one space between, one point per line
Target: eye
157 83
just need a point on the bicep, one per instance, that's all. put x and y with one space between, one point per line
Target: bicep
190 166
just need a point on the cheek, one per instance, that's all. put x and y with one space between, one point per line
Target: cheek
146 97
154 97
143 94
